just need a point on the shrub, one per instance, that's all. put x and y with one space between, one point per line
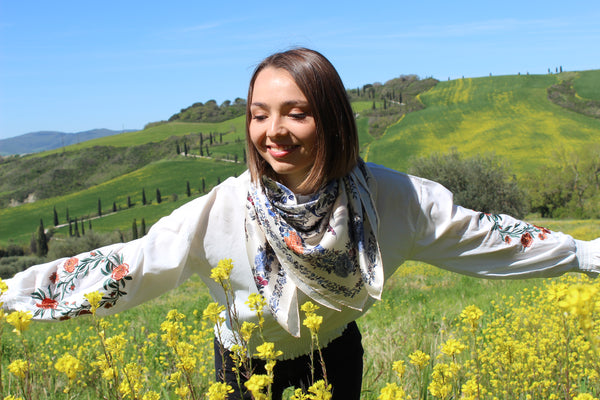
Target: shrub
481 183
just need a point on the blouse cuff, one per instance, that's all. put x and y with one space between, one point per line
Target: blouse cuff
588 255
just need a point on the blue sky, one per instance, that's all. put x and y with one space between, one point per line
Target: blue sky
77 65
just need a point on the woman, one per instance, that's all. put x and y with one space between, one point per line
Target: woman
308 221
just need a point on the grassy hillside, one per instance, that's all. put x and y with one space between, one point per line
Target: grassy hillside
509 116
234 128
170 177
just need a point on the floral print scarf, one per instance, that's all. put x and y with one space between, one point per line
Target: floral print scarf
324 244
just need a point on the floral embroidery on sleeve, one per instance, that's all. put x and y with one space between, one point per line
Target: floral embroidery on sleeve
523 232
65 281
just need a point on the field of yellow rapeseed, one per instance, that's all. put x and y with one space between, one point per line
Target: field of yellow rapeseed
542 342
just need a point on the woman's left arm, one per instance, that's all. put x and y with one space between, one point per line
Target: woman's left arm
493 245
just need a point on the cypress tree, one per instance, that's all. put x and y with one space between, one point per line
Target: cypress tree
99 207
178 149
82 227
188 190
70 228
143 227
76 223
128 201
143 196
158 198
90 224
41 240
203 186
114 207
134 231
55 217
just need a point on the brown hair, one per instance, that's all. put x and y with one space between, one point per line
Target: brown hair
336 148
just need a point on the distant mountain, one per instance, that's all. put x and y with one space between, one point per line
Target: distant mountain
35 142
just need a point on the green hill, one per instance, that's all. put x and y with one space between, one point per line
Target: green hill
510 116
170 177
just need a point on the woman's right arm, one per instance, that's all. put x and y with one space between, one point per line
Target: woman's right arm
126 274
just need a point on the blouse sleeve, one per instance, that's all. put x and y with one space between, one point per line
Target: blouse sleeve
126 274
493 245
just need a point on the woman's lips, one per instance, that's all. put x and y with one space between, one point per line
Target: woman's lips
281 150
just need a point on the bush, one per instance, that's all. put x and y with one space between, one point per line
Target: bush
11 265
480 183
59 248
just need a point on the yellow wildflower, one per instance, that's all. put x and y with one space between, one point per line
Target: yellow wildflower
470 390
19 368
20 320
320 391
213 312
579 302
182 391
219 391
257 303
299 395
256 384
222 271
584 396
399 368
151 395
471 316
94 300
246 330
3 286
452 347
392 392
69 365
266 351
313 322
309 307
174 315
10 397
419 358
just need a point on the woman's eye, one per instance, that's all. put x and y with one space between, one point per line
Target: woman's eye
259 117
297 115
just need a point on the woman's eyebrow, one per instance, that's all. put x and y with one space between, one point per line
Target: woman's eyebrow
287 103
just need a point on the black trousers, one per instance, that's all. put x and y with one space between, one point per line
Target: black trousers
343 364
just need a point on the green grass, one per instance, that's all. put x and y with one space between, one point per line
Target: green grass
587 84
509 116
234 128
421 304
170 177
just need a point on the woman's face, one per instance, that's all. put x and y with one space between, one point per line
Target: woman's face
282 127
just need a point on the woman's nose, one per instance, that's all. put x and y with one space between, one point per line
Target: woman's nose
276 127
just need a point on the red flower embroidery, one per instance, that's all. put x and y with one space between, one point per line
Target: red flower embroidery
526 239
294 242
507 239
120 272
53 277
70 264
47 303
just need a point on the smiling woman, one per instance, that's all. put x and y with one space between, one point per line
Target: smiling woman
309 222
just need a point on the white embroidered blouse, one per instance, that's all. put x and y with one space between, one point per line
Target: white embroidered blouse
417 221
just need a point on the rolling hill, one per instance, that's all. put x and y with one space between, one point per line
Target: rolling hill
510 116
48 140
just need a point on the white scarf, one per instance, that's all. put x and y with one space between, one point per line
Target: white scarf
326 247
